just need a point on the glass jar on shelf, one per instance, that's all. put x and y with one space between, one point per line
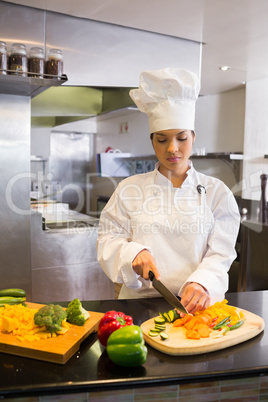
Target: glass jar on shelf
54 64
3 58
36 62
18 62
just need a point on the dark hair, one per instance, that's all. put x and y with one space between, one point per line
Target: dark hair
152 134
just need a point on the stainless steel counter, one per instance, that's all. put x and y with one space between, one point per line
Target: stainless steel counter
74 222
64 262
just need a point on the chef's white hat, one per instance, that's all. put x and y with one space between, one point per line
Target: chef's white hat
168 97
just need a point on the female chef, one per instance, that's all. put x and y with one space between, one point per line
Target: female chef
174 221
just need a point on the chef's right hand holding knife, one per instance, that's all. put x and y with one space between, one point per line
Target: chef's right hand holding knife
194 297
143 263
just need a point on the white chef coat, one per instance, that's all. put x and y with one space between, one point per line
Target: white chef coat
191 234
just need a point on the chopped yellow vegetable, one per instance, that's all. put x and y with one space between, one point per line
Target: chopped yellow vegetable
20 338
62 331
37 330
18 320
44 335
65 324
9 324
221 310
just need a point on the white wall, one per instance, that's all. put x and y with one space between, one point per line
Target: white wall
220 121
220 128
256 138
136 140
40 141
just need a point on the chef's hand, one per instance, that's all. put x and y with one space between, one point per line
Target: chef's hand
195 298
143 263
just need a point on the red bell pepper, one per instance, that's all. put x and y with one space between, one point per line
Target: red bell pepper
110 322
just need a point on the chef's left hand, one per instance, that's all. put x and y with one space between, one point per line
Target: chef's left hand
195 298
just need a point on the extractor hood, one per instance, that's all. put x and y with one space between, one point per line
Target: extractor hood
65 104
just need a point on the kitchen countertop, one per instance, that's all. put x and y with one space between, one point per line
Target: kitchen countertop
91 370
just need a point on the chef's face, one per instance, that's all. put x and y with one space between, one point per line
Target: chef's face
173 149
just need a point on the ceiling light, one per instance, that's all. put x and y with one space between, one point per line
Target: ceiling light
225 68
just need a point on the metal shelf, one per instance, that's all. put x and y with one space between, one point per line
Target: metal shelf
220 155
28 86
230 158
36 158
213 155
136 157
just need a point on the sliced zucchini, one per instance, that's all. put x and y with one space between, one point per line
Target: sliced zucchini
164 336
166 316
155 330
170 316
162 315
173 315
159 320
160 327
152 333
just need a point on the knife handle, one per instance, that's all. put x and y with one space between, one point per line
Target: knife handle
151 275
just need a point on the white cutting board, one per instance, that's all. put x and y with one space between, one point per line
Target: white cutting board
177 344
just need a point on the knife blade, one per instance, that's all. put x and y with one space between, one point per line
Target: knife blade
170 297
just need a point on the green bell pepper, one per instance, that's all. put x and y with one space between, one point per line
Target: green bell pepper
126 346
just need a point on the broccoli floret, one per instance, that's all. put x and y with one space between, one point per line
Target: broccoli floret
51 316
76 314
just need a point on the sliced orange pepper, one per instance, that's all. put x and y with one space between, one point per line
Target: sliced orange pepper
181 321
192 334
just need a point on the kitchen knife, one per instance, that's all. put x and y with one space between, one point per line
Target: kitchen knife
170 297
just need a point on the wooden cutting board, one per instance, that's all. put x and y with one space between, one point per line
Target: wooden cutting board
177 344
54 350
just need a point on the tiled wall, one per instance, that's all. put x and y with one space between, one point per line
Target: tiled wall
236 390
